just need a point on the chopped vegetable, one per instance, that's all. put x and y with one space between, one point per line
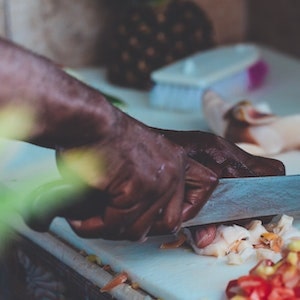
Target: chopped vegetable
239 243
93 259
269 280
117 280
179 241
272 240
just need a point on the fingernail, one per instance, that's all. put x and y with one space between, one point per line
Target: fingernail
75 223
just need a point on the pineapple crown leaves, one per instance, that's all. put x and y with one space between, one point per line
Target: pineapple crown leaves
145 38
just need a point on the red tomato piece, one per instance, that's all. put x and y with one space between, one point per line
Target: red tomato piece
232 289
254 286
270 281
282 293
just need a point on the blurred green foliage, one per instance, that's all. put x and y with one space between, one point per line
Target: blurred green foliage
15 195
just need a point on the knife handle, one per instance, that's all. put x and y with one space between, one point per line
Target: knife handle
61 198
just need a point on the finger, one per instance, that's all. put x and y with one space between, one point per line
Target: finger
200 183
90 228
163 215
265 166
244 164
234 167
170 219
223 157
112 223
118 222
239 163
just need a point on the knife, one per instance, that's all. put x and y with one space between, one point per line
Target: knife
250 197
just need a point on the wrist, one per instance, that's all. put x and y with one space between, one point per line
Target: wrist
81 118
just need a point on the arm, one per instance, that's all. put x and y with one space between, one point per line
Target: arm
60 102
147 180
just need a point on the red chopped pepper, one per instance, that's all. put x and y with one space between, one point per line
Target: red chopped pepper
269 281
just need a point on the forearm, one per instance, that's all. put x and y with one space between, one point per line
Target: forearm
66 111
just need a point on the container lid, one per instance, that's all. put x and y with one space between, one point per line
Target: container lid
204 68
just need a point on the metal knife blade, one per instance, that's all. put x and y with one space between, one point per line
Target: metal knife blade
250 197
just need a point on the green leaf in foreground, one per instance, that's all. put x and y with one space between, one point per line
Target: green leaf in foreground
16 195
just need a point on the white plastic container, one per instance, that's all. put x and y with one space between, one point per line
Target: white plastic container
180 86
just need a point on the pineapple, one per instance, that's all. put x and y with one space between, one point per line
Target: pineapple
147 35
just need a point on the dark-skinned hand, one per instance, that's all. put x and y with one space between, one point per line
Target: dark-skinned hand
144 183
226 160
87 216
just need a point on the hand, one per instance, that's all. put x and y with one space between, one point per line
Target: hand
223 157
226 160
148 185
146 178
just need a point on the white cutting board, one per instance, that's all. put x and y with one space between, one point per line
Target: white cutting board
179 273
176 274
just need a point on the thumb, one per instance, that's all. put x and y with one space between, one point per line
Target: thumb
48 201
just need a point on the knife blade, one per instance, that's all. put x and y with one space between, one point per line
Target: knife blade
250 197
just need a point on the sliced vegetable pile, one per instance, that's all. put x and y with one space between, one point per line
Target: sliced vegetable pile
269 280
239 243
